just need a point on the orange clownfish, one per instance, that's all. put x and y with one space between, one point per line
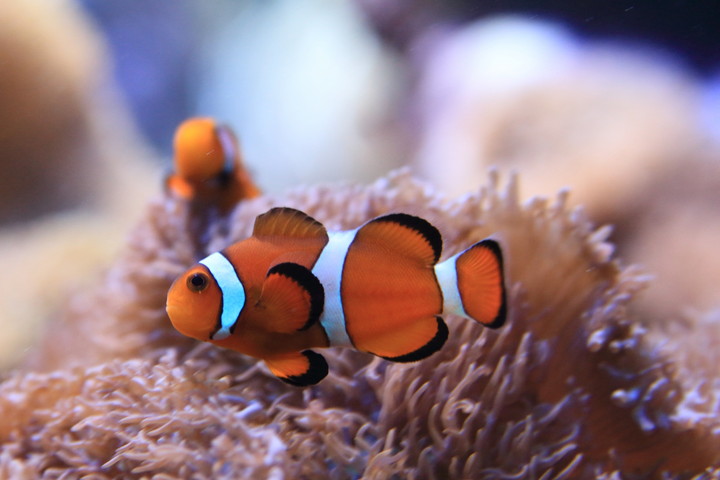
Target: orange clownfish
293 287
207 165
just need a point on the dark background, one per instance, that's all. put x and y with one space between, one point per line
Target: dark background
689 28
154 42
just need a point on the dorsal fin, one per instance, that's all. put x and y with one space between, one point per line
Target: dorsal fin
405 233
288 222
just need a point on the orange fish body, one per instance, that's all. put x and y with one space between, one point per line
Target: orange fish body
293 287
208 167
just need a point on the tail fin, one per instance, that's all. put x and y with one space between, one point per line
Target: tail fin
473 284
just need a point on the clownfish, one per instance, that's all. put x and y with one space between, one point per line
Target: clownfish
208 167
293 287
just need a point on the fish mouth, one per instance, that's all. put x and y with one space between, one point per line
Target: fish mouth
178 317
185 321
172 310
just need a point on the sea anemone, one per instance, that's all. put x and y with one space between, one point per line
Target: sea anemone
573 386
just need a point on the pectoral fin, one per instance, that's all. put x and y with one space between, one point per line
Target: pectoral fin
292 298
300 369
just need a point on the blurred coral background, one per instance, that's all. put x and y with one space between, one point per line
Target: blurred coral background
619 103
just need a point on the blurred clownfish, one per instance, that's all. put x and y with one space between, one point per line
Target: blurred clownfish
292 286
207 166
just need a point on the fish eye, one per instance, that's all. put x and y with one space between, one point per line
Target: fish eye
198 282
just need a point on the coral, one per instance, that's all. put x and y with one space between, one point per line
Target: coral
74 171
602 116
674 232
35 118
572 387
622 126
58 105
330 59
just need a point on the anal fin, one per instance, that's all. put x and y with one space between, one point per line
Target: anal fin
415 342
292 298
300 369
